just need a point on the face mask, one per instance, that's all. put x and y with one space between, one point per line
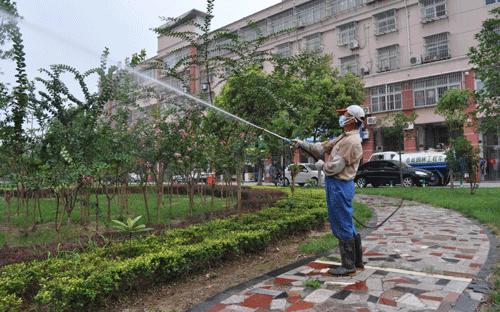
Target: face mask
343 120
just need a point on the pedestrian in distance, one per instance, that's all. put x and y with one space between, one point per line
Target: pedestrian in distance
345 153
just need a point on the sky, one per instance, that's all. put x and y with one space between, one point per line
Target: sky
76 32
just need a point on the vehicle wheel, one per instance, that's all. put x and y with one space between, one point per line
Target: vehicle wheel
375 184
280 182
301 184
407 181
286 182
436 182
314 182
361 182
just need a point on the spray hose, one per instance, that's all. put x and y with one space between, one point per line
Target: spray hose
376 227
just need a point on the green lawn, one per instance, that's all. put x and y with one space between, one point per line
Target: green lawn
483 206
45 232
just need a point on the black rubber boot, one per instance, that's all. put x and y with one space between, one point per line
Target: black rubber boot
347 253
358 248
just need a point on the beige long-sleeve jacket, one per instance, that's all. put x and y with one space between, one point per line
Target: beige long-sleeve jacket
348 146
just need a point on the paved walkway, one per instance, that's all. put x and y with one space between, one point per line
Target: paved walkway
422 259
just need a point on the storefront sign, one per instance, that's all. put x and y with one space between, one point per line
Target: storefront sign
492 161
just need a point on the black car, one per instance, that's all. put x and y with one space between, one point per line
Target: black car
382 172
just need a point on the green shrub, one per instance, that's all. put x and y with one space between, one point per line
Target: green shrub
78 280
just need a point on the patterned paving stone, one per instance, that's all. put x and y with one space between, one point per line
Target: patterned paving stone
417 238
319 295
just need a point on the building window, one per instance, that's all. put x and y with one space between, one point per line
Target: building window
339 6
492 1
431 10
312 43
347 33
250 33
284 50
386 98
385 22
437 47
281 21
388 58
173 58
311 12
428 91
350 64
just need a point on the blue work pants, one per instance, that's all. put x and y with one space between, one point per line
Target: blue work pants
339 195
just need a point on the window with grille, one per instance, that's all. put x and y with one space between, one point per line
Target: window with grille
437 47
173 58
385 22
311 12
249 33
350 64
433 9
386 98
281 21
339 6
312 43
219 46
347 33
428 91
388 58
492 1
284 50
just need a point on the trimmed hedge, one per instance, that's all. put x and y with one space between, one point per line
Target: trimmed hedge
79 281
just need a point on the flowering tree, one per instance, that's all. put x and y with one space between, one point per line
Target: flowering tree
191 147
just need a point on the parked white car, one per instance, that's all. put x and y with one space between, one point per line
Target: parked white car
307 172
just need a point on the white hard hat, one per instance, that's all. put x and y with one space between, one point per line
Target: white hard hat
357 112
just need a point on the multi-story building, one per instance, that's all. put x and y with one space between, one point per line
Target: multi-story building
408 53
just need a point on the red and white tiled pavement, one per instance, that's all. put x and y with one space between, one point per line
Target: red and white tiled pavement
422 259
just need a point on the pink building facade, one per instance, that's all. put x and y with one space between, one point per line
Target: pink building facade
407 52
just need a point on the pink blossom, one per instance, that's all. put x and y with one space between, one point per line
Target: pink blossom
195 144
184 135
188 124
177 155
191 107
190 149
201 136
187 157
242 135
181 162
157 121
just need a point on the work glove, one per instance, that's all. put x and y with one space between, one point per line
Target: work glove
319 164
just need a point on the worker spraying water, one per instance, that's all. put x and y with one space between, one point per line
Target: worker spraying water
340 169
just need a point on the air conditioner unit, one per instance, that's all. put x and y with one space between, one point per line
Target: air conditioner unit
365 70
204 86
409 126
367 110
301 24
416 60
369 1
366 135
354 45
371 120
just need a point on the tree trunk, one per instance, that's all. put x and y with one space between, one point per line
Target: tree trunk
452 186
260 173
158 202
145 195
400 168
38 195
238 182
191 197
34 211
8 197
97 213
